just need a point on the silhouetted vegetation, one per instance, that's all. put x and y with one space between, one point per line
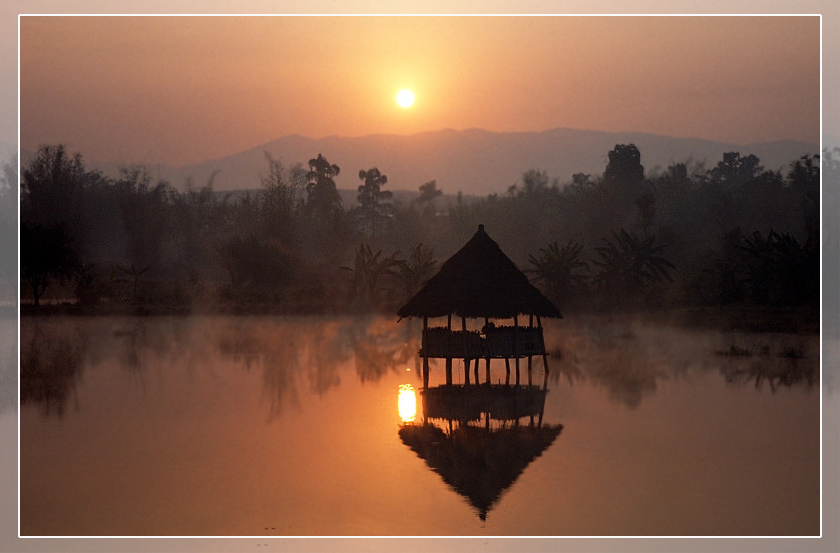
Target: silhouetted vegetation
735 235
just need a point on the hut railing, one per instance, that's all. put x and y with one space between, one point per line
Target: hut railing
497 343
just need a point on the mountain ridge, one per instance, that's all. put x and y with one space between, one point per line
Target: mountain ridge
472 161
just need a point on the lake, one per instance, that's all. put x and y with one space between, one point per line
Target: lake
303 426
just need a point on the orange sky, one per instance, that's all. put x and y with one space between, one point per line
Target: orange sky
185 89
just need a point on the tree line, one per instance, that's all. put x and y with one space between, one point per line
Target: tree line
688 235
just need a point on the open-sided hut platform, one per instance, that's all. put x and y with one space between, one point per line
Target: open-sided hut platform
480 282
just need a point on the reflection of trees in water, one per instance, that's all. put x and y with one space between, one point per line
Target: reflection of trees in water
788 367
289 352
618 360
629 358
280 368
381 347
262 344
50 365
140 345
311 350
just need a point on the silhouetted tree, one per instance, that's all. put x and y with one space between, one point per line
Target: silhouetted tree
323 200
735 169
581 184
646 204
561 272
145 214
804 180
281 199
199 221
614 197
624 169
46 254
428 192
628 266
368 268
373 201
728 274
534 184
51 188
781 270
255 263
417 269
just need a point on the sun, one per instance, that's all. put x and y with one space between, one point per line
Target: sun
405 98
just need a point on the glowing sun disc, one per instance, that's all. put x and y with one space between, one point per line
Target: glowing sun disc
405 98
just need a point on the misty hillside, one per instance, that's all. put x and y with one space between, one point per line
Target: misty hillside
472 161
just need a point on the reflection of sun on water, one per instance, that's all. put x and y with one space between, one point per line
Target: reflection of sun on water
407 403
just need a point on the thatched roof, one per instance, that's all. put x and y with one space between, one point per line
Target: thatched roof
479 280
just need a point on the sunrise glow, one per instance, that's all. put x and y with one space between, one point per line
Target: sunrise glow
405 98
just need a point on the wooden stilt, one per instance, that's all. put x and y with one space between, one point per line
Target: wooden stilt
507 371
449 371
516 345
529 371
425 356
475 371
487 370
466 354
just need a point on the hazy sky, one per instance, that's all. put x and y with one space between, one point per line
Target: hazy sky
185 89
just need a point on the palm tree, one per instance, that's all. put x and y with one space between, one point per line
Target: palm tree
629 266
558 271
323 199
370 199
417 269
367 268
781 270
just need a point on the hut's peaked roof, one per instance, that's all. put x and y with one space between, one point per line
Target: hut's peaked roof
477 463
479 280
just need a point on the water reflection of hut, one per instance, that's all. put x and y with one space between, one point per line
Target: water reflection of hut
473 437
480 282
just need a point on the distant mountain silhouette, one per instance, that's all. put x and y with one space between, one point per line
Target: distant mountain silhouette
474 161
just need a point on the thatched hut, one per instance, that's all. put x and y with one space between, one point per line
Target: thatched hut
480 282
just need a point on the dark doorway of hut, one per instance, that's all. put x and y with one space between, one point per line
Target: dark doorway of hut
494 429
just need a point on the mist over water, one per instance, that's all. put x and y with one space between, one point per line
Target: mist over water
289 426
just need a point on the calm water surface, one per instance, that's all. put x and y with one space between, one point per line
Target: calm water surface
291 426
